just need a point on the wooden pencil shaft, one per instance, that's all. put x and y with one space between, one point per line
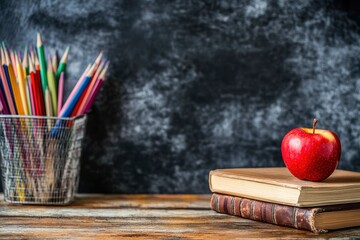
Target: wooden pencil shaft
52 86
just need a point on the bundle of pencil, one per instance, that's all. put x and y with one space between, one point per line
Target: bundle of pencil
35 86
42 153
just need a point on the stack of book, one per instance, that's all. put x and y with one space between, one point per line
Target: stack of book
274 196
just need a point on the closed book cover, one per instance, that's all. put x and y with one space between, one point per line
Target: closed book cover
277 185
318 220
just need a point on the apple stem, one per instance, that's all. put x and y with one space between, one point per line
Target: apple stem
314 124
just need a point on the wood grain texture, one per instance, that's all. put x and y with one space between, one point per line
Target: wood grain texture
139 217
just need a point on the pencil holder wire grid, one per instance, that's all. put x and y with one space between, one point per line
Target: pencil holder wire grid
40 158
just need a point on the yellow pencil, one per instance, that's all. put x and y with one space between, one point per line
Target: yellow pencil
49 110
22 86
52 85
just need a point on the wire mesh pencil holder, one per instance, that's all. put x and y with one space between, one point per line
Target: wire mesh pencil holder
40 158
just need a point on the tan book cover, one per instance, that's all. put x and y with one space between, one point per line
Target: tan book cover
277 185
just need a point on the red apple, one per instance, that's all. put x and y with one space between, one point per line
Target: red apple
311 154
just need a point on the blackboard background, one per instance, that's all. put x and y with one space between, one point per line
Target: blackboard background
198 85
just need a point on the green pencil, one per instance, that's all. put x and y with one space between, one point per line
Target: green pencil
62 65
52 86
42 61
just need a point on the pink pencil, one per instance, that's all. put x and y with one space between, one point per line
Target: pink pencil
31 98
96 89
5 109
1 108
86 95
12 58
94 93
60 92
78 84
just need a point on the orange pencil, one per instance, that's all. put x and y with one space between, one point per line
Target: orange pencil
22 85
78 103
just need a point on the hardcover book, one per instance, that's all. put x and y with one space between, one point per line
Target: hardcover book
317 219
277 185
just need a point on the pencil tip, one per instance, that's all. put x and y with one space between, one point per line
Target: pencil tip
49 66
31 65
39 41
65 55
91 70
104 71
98 59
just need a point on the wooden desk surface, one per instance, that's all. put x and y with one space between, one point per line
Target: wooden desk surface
139 217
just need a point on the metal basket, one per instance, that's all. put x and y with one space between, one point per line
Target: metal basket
40 158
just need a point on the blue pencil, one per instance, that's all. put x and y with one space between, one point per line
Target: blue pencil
71 102
6 71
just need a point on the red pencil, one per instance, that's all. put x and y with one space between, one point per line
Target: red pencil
80 106
32 74
39 87
96 89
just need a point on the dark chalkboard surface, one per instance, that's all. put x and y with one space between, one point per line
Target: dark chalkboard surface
198 85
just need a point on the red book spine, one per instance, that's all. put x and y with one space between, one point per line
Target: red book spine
301 218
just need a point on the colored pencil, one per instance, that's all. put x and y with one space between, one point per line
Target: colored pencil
34 89
9 70
25 62
39 84
79 108
42 61
76 93
96 90
98 59
29 98
32 54
62 65
48 106
52 85
22 86
32 97
96 66
54 62
5 109
12 59
78 83
7 77
1 108
9 99
60 92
